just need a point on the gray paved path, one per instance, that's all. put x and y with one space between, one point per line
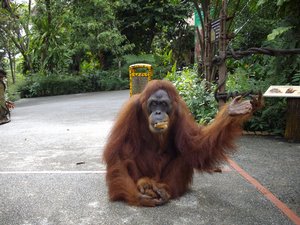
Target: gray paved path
51 173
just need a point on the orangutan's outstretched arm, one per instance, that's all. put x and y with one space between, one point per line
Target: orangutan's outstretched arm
218 139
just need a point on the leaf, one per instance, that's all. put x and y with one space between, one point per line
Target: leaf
280 2
278 31
261 2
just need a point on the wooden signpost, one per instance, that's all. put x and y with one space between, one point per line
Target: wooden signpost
292 93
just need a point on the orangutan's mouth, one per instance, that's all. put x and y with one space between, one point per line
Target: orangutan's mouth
161 125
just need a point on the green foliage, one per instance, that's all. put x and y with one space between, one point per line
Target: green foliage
62 36
94 31
175 44
271 118
141 20
279 2
296 78
143 58
251 31
15 32
276 32
273 24
240 80
163 63
89 65
110 80
198 94
257 74
56 84
13 92
50 41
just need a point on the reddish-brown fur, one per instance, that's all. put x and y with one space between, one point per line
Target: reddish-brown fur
135 155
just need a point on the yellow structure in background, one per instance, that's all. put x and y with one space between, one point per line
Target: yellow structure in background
138 80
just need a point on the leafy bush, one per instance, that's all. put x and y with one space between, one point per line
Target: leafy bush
271 118
198 94
258 74
56 84
108 81
12 90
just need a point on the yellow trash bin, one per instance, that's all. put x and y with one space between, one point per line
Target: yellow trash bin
138 80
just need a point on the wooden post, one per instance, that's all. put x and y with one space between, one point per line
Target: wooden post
292 129
292 93
208 47
222 50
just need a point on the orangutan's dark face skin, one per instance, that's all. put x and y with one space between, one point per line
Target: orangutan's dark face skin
159 107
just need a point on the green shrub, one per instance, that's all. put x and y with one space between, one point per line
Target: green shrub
56 84
198 94
271 118
258 75
13 92
107 81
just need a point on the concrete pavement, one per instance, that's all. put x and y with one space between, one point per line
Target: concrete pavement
51 173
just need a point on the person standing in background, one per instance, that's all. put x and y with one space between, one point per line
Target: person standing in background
5 105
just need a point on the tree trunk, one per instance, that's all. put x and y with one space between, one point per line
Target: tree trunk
27 63
208 47
11 65
49 65
14 65
222 52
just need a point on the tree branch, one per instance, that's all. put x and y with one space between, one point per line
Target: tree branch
264 51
